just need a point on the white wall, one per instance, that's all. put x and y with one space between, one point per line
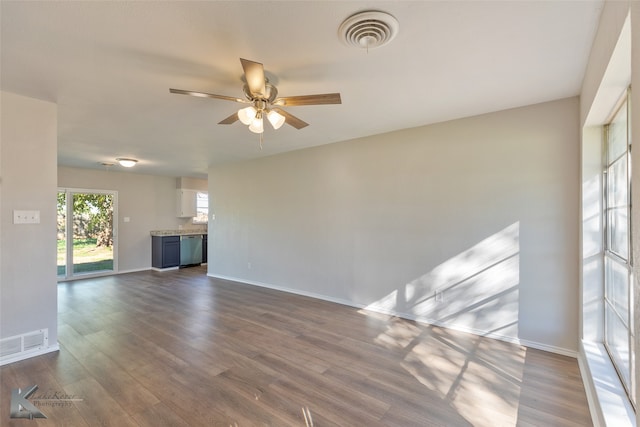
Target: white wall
612 19
28 290
148 201
480 211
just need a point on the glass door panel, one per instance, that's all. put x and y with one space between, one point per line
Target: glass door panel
92 232
86 232
62 234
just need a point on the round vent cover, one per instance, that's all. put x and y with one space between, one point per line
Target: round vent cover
368 30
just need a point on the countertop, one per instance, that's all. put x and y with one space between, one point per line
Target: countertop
184 232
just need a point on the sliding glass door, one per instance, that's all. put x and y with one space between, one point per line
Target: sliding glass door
86 232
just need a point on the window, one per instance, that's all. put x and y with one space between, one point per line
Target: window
202 208
618 293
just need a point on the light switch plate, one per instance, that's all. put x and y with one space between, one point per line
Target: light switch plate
26 217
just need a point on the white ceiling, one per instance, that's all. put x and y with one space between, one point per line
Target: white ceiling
109 67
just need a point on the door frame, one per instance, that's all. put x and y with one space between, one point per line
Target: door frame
69 275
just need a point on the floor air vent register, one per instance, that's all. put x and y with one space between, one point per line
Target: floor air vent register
19 346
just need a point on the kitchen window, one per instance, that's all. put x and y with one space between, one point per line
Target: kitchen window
202 208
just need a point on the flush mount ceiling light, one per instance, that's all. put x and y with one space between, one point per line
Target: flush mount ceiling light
369 29
127 163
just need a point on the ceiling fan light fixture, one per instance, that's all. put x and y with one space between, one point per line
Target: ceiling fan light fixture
261 97
276 119
256 125
246 115
125 162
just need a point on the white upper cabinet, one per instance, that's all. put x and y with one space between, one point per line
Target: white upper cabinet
187 203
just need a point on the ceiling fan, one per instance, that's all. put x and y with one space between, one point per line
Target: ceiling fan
264 101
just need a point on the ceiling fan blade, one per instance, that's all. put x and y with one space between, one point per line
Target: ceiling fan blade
291 119
206 95
229 120
254 73
320 99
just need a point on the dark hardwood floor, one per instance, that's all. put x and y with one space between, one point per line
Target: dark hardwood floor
182 349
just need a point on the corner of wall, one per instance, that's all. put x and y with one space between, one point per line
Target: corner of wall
28 263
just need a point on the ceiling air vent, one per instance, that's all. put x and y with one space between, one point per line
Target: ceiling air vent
368 30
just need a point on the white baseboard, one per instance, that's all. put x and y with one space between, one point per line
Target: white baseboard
164 269
550 348
493 335
134 270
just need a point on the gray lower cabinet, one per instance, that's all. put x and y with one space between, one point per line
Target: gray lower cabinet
165 251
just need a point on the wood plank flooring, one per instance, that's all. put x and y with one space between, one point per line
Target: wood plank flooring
181 349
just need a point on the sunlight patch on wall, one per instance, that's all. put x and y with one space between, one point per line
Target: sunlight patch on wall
476 290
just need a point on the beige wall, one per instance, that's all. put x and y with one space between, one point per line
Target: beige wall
148 201
28 291
469 224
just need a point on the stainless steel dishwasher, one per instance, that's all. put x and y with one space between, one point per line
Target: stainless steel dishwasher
190 250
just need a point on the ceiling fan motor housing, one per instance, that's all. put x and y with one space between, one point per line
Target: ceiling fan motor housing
271 93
